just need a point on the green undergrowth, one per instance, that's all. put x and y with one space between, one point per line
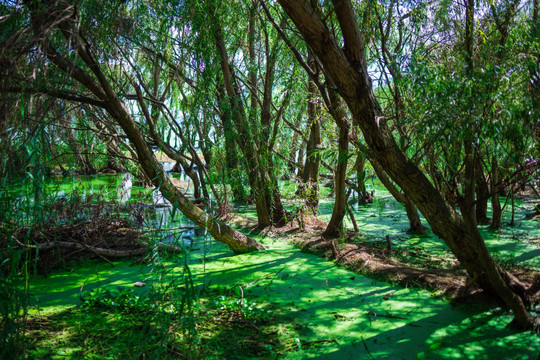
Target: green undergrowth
123 324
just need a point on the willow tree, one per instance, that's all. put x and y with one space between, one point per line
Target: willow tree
335 107
66 41
309 177
343 56
254 124
475 96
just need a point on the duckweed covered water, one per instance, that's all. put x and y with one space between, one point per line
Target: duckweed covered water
329 312
518 244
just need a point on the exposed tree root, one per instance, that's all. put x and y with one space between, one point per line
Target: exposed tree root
102 251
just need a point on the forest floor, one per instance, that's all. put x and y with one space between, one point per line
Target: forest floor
283 303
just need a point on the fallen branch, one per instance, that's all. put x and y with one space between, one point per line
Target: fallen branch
169 229
353 220
101 251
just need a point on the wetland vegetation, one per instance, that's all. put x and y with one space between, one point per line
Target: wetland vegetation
256 179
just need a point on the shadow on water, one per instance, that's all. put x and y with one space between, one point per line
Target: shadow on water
334 313
339 315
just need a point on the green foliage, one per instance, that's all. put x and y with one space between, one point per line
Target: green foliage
87 333
17 265
14 274
123 299
249 310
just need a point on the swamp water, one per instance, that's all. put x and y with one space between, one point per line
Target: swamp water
329 312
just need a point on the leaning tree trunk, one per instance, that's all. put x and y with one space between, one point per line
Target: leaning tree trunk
235 126
166 148
267 202
232 166
345 64
236 241
97 82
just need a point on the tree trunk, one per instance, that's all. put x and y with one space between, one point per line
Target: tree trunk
512 220
309 187
236 241
300 161
496 218
267 201
482 196
359 167
194 176
534 74
205 194
232 169
340 175
415 224
347 69
85 165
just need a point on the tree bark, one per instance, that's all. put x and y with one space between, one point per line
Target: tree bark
232 169
496 217
166 148
335 225
247 145
534 73
482 196
267 199
309 188
236 241
415 224
359 167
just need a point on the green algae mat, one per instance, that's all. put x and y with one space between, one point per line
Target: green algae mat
319 310
293 305
510 245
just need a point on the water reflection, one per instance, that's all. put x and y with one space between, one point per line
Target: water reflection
167 165
158 199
